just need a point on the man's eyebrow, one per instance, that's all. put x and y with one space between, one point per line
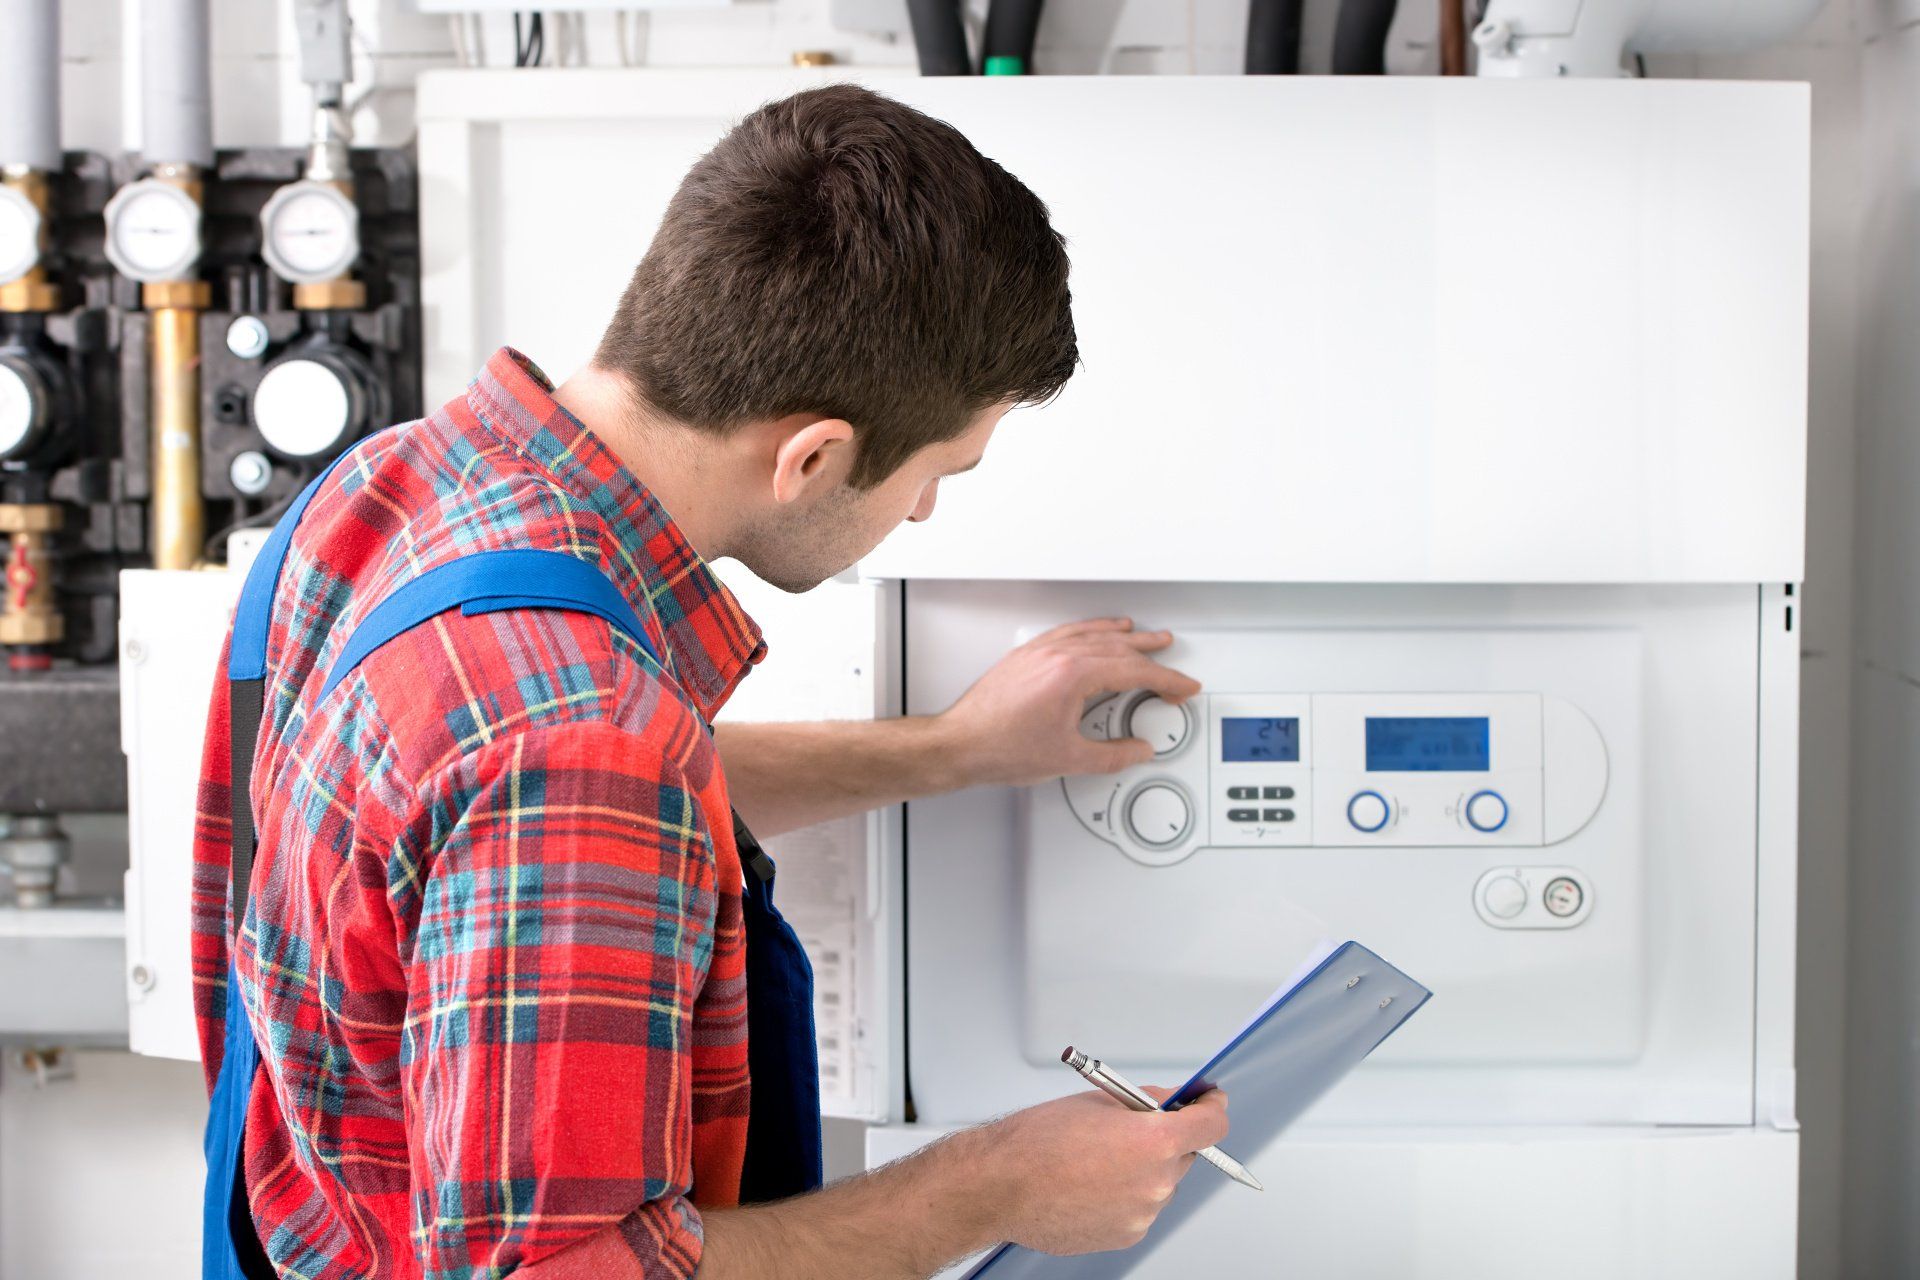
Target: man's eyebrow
970 466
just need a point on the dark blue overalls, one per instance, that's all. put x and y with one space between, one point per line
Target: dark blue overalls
783 1129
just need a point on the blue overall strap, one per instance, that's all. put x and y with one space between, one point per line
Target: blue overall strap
490 582
229 1247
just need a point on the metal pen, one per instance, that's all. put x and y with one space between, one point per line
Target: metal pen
1115 1086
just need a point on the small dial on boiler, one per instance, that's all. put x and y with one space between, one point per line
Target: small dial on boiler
1159 814
1159 723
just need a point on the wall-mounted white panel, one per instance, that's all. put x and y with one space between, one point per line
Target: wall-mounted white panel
1400 330
172 625
1641 1011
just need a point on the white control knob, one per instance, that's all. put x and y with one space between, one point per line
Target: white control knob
1158 722
1486 811
1504 897
1159 815
1369 811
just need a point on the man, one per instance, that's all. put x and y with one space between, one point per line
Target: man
493 956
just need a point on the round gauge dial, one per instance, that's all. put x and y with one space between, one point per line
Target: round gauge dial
153 231
23 409
309 232
304 408
19 235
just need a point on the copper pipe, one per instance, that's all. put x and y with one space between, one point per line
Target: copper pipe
173 377
1453 37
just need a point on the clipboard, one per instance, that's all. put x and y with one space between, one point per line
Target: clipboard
1298 1045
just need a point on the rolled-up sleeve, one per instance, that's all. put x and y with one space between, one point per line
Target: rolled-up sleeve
555 894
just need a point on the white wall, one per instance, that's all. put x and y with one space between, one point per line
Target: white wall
125 1133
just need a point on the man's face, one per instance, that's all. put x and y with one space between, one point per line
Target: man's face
808 541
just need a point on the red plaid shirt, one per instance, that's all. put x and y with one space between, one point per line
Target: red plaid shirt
493 957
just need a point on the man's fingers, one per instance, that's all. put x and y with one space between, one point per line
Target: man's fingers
1082 627
1137 671
1113 642
1204 1120
1111 757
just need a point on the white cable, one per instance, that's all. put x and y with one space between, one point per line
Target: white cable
476 38
631 28
461 54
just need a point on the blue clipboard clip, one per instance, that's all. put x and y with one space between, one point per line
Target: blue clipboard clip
1291 1052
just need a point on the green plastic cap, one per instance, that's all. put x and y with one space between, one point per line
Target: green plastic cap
1006 64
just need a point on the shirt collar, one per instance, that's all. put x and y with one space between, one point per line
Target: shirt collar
709 640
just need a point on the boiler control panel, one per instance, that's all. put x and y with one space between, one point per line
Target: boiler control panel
1250 770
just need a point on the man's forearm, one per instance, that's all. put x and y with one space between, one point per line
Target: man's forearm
907 1220
785 776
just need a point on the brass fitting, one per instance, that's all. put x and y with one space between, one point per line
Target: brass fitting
184 295
341 294
30 616
32 291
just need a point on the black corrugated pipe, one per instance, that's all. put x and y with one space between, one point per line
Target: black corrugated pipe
1012 26
1360 37
939 37
1273 37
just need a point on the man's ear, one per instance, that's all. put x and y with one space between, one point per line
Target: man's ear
816 452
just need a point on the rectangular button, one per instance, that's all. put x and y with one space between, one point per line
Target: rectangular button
1277 815
1243 793
1243 815
1275 793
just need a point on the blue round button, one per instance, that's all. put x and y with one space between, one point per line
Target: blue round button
1369 811
1486 811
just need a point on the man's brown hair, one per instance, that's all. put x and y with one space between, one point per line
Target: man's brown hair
839 253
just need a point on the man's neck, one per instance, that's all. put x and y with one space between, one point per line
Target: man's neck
682 476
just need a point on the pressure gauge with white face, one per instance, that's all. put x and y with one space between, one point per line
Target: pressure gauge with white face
19 235
23 409
153 231
309 406
309 232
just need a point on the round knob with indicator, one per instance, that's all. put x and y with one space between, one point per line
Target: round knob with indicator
309 232
153 231
1159 723
1504 897
1369 811
1486 811
1159 815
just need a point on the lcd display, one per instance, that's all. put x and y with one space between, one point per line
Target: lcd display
1427 744
1264 738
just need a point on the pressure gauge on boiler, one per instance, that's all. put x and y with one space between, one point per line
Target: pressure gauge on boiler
153 231
19 235
309 232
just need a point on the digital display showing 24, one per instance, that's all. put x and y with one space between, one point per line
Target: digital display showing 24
1263 738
